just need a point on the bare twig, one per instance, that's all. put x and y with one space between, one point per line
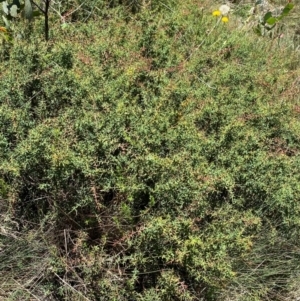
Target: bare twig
27 290
72 288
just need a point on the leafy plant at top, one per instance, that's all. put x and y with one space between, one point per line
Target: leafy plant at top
269 21
28 10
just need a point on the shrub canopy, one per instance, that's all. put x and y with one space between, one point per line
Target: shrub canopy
155 155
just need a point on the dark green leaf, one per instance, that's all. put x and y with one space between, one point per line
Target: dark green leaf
267 16
287 9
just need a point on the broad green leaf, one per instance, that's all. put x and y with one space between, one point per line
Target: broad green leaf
5 7
28 12
13 10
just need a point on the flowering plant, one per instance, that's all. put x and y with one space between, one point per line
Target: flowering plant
222 12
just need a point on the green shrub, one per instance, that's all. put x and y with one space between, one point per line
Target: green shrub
159 151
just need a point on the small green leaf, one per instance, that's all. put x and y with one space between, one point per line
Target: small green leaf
286 10
288 7
272 21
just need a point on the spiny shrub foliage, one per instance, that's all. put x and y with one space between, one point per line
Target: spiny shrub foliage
154 157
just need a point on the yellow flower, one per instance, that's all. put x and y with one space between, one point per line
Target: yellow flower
216 13
225 19
3 29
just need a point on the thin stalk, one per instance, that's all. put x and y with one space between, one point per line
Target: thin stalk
46 12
